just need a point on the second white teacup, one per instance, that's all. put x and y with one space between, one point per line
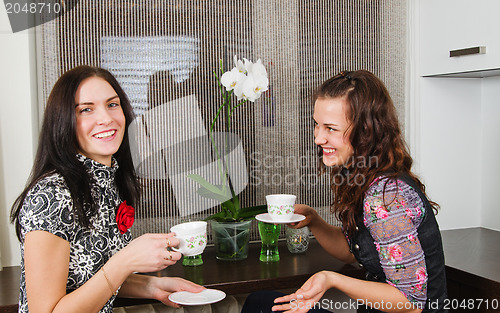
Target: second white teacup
280 206
192 237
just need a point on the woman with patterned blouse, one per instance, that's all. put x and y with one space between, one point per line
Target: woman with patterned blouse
76 253
388 223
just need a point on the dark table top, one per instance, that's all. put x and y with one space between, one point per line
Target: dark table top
239 277
232 277
9 288
473 251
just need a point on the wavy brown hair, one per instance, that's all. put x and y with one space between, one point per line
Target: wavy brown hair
375 135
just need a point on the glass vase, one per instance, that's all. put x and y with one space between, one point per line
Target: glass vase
231 239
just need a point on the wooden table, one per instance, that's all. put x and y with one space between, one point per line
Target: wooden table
9 289
232 277
240 277
472 257
472 268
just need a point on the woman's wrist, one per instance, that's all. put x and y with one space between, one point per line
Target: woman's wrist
140 286
316 221
117 270
153 287
123 261
114 291
332 279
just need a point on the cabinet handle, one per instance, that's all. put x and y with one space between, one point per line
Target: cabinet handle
467 51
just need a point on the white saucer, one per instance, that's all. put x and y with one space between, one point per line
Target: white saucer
207 296
266 218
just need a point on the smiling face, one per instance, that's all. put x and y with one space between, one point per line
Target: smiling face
330 130
100 122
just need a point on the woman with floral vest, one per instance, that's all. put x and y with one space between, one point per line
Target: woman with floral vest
388 223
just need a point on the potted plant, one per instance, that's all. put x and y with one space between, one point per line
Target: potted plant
231 226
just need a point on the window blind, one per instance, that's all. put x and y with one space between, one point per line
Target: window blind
164 54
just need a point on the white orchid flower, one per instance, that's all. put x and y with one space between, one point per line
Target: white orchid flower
239 88
254 86
247 80
257 69
249 93
238 64
261 83
232 78
248 65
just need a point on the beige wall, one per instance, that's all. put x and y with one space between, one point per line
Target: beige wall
18 100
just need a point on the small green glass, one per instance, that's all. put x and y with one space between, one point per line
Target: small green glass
269 234
194 260
194 274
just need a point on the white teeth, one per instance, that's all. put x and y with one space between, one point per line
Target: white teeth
106 134
332 150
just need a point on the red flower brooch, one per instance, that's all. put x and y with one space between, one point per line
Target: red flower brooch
125 217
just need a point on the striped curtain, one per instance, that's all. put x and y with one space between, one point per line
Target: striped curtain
164 54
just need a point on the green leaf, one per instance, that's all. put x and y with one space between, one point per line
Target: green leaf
202 191
209 187
249 212
233 205
245 214
221 216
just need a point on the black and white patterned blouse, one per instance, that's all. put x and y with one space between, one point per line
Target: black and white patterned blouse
48 206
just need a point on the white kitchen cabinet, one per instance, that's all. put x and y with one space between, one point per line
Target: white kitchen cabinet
447 25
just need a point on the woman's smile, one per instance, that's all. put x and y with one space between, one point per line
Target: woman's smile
109 134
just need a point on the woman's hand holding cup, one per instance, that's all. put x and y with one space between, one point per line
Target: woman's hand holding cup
150 253
308 212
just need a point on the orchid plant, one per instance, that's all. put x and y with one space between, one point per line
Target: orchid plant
246 81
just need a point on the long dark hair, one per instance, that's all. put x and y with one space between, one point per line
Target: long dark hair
58 147
378 145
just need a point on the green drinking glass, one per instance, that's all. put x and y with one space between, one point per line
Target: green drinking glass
194 260
269 234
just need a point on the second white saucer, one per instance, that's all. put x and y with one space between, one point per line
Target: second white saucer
266 218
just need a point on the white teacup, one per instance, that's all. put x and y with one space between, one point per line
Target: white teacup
280 207
192 237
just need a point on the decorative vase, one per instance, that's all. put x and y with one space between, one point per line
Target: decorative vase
231 239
